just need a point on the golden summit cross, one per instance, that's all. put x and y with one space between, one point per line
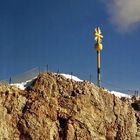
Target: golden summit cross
98 35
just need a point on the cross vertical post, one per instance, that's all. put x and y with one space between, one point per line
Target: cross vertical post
98 47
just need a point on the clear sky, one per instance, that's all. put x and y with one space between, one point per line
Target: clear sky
60 33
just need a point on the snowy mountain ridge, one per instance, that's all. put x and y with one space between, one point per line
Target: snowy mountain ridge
23 85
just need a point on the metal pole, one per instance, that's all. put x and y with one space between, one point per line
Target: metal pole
71 75
10 80
90 77
58 71
98 47
98 69
39 69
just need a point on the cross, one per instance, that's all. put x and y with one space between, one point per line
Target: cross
98 35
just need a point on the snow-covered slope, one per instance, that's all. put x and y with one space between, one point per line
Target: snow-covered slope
71 77
119 94
23 85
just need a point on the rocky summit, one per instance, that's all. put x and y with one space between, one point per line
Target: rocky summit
56 108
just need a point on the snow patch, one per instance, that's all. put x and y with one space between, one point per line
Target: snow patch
71 77
119 94
23 85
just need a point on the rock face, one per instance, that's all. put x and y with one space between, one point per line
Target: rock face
56 108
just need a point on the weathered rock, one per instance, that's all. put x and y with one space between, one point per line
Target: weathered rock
56 108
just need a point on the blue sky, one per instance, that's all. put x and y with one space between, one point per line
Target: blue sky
60 33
